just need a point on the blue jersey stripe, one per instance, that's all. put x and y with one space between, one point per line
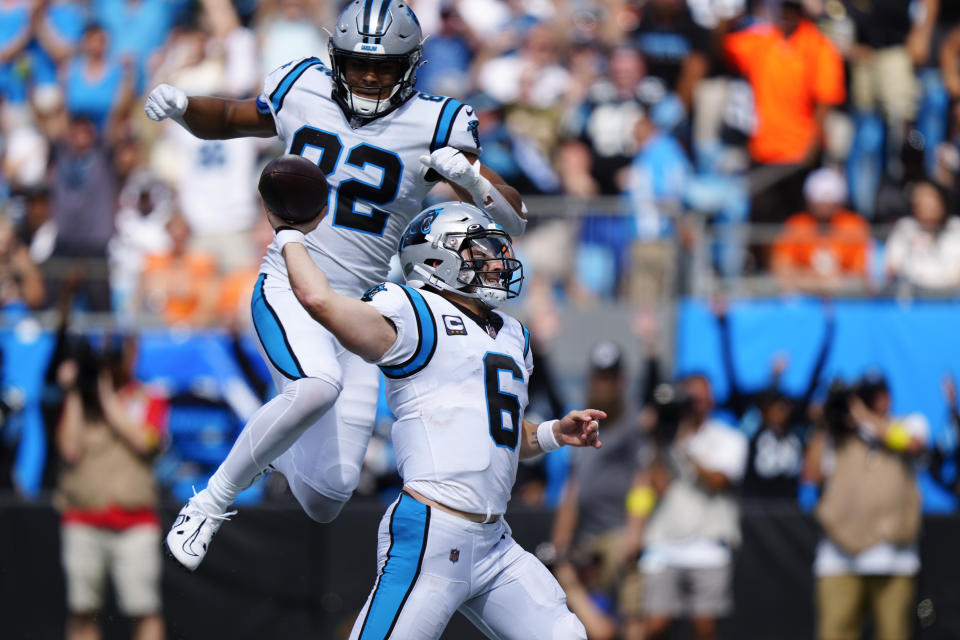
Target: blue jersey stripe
526 340
276 98
448 114
427 338
409 525
272 335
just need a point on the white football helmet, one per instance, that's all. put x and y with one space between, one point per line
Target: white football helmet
455 246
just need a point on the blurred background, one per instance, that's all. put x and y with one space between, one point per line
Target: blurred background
742 215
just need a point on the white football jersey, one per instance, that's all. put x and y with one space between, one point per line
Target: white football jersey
377 183
458 395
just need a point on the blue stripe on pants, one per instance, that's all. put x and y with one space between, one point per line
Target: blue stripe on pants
408 541
271 334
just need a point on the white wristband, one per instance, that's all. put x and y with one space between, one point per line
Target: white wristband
289 235
545 438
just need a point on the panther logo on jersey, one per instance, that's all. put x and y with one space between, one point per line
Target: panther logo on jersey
372 291
472 127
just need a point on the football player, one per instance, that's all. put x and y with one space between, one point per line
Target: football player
382 145
457 372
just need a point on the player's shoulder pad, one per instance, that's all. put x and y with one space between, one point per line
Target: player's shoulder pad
278 82
456 124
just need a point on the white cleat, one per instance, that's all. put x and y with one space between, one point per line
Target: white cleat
191 534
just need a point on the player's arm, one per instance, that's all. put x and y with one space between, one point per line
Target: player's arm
358 326
208 117
579 428
478 184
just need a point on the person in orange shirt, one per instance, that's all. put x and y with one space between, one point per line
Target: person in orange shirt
797 75
825 247
180 285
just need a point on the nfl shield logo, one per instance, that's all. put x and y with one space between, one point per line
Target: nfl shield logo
454 555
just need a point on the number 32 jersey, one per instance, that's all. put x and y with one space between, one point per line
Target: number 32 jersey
377 183
458 395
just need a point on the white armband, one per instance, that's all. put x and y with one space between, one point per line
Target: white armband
545 437
289 235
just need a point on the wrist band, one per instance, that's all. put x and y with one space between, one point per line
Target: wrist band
545 438
641 501
288 234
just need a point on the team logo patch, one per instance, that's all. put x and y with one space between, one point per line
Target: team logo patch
472 128
454 326
454 555
372 291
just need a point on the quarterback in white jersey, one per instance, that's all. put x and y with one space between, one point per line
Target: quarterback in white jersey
382 146
457 373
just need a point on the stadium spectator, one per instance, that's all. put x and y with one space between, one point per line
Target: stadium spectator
676 50
450 51
109 431
18 19
797 75
532 76
923 250
775 451
288 30
25 152
144 211
591 517
944 461
21 284
656 186
594 160
684 509
83 204
824 248
215 180
884 91
867 561
96 85
181 284
57 37
137 29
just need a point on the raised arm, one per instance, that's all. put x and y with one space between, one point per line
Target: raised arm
358 326
207 117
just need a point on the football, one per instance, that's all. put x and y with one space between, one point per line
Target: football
294 189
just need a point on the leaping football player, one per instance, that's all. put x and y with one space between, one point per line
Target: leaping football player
457 372
382 145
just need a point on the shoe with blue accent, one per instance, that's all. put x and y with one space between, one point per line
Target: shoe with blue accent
191 534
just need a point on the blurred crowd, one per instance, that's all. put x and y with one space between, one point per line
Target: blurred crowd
647 528
813 144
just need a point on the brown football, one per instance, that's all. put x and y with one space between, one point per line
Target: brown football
294 189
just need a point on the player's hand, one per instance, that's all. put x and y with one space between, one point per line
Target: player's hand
303 227
455 167
580 428
166 101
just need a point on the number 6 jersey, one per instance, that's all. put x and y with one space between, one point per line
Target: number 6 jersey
377 182
458 395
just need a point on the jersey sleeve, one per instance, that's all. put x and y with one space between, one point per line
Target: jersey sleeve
278 83
456 127
527 351
395 304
